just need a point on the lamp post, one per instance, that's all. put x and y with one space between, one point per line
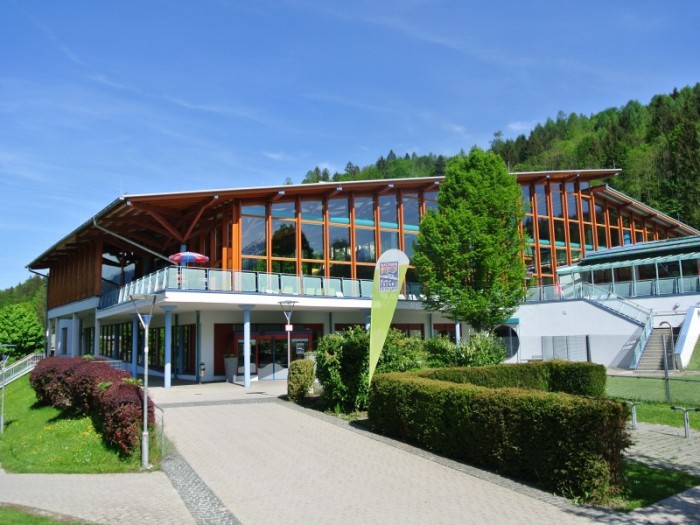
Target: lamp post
667 382
287 307
2 406
145 320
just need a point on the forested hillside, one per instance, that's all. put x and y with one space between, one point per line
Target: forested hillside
31 292
656 145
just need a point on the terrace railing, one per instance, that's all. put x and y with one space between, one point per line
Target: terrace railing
232 281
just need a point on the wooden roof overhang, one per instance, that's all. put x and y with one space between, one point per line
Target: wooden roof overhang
152 223
525 177
640 209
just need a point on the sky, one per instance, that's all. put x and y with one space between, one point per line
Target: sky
102 98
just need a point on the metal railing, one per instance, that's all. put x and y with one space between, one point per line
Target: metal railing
233 281
19 368
625 289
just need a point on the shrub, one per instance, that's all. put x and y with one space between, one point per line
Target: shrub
121 408
301 379
570 444
342 364
50 380
481 350
94 388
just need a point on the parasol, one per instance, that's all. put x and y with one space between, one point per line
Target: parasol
188 257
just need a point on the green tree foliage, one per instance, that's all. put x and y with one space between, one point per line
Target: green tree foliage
467 254
342 364
32 291
20 327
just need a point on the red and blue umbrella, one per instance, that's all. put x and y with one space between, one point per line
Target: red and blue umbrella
188 257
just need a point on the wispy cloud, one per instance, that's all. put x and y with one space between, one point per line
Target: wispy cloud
520 127
53 38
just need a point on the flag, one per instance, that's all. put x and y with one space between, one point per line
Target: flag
389 275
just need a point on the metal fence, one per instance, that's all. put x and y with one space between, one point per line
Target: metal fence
675 390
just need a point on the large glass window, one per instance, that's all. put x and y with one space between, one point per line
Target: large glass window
365 249
311 241
541 199
339 210
254 238
364 210
339 243
408 241
526 196
557 204
574 234
284 239
312 210
388 211
430 199
365 272
411 211
543 230
528 229
283 210
389 240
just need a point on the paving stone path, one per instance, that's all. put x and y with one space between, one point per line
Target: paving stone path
246 457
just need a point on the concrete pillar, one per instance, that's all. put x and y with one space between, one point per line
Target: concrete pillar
96 340
246 344
458 333
75 336
167 369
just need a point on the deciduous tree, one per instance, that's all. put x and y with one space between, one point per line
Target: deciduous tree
467 253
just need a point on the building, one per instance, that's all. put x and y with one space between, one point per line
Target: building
315 245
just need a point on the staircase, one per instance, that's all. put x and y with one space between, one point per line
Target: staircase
652 359
19 368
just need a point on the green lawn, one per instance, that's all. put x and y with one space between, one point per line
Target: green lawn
21 517
42 439
645 485
695 358
684 391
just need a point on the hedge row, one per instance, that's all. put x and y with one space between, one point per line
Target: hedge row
96 389
583 379
571 445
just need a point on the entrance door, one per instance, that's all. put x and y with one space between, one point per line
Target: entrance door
272 357
268 353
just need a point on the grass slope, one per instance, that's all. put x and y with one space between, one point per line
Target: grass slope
42 439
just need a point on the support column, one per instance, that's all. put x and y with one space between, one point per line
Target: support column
134 345
246 344
458 333
167 370
96 340
74 336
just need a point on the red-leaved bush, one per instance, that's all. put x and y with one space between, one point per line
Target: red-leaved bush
96 389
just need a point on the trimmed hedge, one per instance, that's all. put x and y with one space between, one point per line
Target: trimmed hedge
569 444
301 379
584 379
96 389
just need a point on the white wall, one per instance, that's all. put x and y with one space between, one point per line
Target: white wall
609 333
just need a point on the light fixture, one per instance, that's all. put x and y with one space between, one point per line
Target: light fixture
287 308
145 320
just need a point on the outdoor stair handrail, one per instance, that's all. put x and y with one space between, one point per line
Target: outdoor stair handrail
20 367
611 301
626 308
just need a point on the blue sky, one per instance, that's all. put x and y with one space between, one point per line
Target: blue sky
102 98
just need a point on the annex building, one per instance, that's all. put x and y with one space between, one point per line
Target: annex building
317 244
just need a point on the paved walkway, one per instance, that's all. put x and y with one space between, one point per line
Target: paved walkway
243 456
